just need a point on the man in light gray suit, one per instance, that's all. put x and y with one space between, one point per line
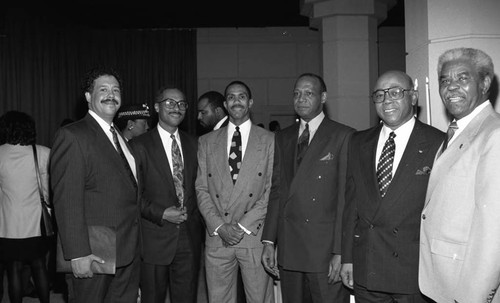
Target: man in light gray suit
233 185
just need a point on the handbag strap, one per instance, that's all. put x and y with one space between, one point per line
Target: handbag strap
42 199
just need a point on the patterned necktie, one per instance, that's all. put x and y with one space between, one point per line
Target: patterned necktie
384 167
235 154
302 144
122 155
177 174
449 134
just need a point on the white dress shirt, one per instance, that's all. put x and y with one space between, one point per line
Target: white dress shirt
107 130
167 144
401 140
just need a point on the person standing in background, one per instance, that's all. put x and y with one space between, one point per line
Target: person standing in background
133 120
21 238
212 114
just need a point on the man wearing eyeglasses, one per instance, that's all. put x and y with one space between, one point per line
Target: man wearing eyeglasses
387 174
233 185
171 223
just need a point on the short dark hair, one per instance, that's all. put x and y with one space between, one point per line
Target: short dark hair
93 74
215 99
17 128
239 83
161 90
318 77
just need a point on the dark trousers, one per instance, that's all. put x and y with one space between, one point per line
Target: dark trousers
122 287
302 287
180 277
363 295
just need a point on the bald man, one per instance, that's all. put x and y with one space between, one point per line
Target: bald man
385 194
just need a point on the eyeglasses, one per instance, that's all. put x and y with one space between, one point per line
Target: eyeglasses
395 93
171 103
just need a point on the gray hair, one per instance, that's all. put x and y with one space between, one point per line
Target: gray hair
479 59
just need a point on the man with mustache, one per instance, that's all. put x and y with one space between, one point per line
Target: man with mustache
385 195
233 185
94 182
460 228
171 222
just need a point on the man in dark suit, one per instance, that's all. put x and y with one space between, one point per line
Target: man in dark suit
382 219
94 185
304 214
171 224
211 111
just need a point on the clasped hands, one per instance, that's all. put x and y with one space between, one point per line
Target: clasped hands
175 214
81 267
230 233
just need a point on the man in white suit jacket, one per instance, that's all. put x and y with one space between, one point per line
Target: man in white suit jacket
234 208
460 223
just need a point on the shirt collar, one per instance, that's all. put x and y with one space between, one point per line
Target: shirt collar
462 123
314 123
402 131
103 124
219 124
166 134
244 127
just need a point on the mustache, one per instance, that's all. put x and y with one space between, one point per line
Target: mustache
110 100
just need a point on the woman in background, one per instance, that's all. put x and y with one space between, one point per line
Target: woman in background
20 208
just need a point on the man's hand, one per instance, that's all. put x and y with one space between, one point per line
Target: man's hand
268 260
82 266
230 233
346 275
175 214
334 269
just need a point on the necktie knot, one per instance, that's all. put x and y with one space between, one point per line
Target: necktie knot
449 134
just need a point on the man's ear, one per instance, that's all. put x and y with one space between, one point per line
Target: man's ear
87 96
486 84
157 107
414 97
324 96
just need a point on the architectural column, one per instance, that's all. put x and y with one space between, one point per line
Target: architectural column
434 26
350 57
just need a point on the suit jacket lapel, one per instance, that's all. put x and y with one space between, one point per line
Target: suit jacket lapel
108 147
187 153
253 152
314 150
290 153
368 154
160 158
461 143
220 153
415 152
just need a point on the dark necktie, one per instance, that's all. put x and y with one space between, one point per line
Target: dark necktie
302 144
449 134
177 174
122 155
235 154
384 166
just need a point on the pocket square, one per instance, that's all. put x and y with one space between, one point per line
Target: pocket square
328 157
426 170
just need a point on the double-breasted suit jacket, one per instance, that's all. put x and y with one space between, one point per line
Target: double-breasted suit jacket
460 223
245 202
91 186
159 236
381 235
305 209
